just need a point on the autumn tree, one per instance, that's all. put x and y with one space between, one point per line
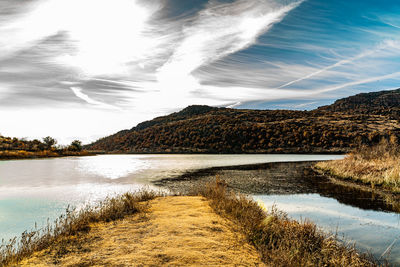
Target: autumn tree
49 142
76 145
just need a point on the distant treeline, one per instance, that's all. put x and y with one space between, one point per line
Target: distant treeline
340 127
14 148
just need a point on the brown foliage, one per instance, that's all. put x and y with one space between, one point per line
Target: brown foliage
14 148
221 130
280 240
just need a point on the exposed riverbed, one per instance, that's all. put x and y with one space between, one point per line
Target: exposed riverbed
353 213
31 191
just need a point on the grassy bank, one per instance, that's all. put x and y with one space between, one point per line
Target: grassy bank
280 240
174 231
175 228
22 154
377 166
72 224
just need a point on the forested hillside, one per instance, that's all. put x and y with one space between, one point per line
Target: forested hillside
382 103
349 122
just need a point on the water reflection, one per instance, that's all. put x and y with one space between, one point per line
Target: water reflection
371 230
370 220
34 190
298 178
111 166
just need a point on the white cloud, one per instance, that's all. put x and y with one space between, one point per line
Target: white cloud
384 45
157 64
358 82
78 92
218 31
4 90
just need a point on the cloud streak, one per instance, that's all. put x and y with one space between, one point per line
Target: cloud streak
221 30
78 93
4 90
364 54
154 57
358 82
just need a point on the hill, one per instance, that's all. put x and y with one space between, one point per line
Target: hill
382 103
349 122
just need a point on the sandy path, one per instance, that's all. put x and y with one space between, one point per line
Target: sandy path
177 231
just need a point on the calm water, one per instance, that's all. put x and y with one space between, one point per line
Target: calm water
354 215
371 230
35 190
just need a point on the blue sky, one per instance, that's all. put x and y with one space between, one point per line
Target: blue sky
88 68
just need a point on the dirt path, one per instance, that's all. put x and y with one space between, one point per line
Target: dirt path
177 231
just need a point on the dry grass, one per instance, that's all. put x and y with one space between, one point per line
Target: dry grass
279 240
375 166
72 223
176 231
22 154
180 231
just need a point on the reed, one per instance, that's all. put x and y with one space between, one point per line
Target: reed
375 166
72 223
280 240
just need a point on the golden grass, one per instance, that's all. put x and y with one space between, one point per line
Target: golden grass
279 240
22 154
176 231
375 166
71 224
228 229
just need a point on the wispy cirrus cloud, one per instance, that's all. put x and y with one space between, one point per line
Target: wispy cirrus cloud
78 92
137 59
386 44
159 53
218 31
363 81
4 90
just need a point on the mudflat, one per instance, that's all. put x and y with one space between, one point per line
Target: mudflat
175 231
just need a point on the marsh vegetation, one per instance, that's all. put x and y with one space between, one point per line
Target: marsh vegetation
278 240
376 166
72 223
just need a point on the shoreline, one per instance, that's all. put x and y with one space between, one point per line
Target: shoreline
209 175
272 152
356 183
212 227
283 168
284 178
196 235
39 156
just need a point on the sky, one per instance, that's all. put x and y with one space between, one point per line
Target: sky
84 69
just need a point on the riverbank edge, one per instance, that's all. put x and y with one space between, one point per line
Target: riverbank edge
195 234
73 223
388 195
198 177
280 241
195 175
336 179
285 151
12 155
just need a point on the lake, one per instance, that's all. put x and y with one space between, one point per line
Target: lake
34 191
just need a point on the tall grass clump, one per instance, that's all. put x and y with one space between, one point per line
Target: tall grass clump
280 240
377 165
72 223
